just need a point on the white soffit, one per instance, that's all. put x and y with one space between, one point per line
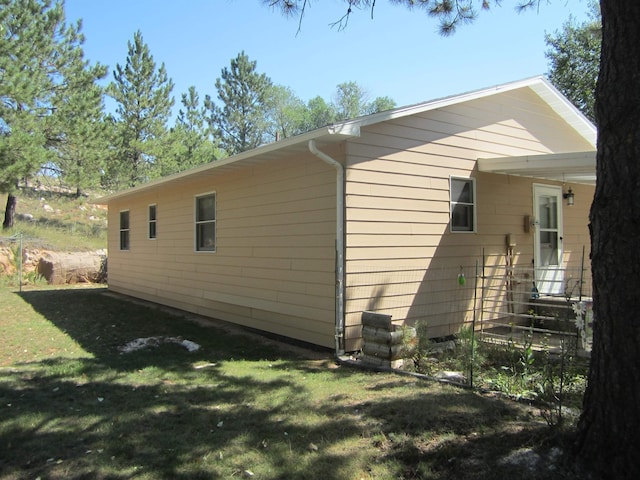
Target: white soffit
565 109
572 167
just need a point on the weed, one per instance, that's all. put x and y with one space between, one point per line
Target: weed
417 346
470 355
33 278
519 369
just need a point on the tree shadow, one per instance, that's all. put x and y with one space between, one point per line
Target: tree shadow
103 428
168 413
102 324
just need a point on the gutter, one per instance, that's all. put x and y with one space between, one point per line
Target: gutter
340 244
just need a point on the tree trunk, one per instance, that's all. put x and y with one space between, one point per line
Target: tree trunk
9 211
609 428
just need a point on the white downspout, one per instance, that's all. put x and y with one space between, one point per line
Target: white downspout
339 336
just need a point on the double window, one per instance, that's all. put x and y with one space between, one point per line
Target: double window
462 204
206 223
124 230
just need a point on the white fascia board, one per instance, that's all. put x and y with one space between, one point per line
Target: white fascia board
445 101
579 167
567 110
333 133
542 87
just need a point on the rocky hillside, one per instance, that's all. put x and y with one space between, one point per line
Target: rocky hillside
63 237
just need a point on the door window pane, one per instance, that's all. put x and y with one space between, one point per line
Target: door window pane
549 248
548 212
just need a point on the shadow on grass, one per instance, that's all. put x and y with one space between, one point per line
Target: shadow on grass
230 408
102 324
105 429
163 429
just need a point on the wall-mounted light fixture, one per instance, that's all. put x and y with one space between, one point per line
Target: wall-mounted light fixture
569 196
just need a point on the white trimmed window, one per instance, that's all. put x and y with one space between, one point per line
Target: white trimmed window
153 221
462 204
124 230
206 223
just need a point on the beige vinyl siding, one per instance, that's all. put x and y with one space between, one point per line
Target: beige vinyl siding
273 268
401 258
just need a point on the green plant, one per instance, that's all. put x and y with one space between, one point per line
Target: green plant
418 347
515 370
527 357
470 356
565 381
550 398
33 278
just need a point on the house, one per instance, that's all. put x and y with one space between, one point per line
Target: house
300 236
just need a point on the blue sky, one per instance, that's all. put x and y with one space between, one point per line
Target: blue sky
398 53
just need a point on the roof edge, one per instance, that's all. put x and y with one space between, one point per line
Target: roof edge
340 129
539 84
351 128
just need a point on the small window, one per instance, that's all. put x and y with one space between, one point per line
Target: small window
153 221
206 223
463 200
124 230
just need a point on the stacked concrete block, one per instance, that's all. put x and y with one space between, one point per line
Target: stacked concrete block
384 344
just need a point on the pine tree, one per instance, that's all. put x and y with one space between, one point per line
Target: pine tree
189 142
144 101
241 121
40 58
80 152
574 57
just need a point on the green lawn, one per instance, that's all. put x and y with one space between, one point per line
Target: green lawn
73 406
59 221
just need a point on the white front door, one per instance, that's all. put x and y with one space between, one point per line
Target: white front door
549 276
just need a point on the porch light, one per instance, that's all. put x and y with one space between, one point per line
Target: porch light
569 196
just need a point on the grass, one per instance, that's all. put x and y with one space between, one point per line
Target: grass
73 406
60 221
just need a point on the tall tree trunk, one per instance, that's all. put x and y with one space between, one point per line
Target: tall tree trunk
9 211
609 428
